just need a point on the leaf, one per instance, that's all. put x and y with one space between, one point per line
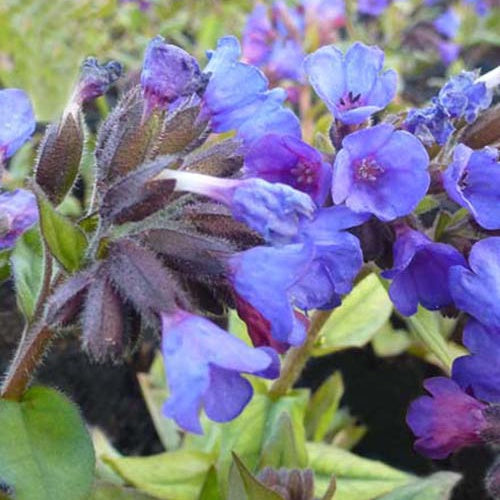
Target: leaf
210 489
155 393
356 321
322 407
45 450
256 428
176 475
427 204
66 241
438 486
107 491
4 265
253 488
27 268
357 478
426 327
390 342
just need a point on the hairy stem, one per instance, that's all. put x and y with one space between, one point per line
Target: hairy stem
29 353
297 357
46 282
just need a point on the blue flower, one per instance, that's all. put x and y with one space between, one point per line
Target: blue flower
420 274
258 35
324 17
447 24
373 7
461 97
473 181
204 365
264 277
479 372
285 61
17 121
96 78
336 261
477 290
18 212
447 420
352 86
237 97
168 73
381 171
429 124
274 210
288 160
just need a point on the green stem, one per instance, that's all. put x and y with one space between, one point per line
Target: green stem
297 357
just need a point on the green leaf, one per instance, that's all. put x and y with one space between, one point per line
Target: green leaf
176 475
107 491
253 488
390 342
155 393
4 265
45 450
66 241
427 204
356 321
438 486
210 488
257 427
322 407
27 268
357 478
425 325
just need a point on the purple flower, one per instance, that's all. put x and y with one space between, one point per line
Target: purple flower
336 261
288 160
447 24
237 97
285 61
448 51
324 16
447 421
479 372
352 86
460 97
258 35
143 5
382 171
420 271
473 181
17 121
274 210
18 212
168 73
204 365
96 78
373 7
477 290
429 124
264 277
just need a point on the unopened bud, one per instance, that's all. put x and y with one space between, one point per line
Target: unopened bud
291 484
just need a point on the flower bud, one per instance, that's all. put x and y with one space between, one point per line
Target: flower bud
291 484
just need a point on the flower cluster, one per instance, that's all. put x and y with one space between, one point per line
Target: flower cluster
187 224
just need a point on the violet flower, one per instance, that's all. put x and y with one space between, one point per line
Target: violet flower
473 181
447 420
373 7
478 373
477 290
18 212
288 160
17 121
447 24
273 210
324 17
168 73
258 36
420 274
382 171
353 86
429 124
204 365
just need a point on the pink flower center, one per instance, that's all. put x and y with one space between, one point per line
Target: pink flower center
304 173
368 169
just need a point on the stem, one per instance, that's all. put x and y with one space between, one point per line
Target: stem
297 357
46 282
31 349
306 113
